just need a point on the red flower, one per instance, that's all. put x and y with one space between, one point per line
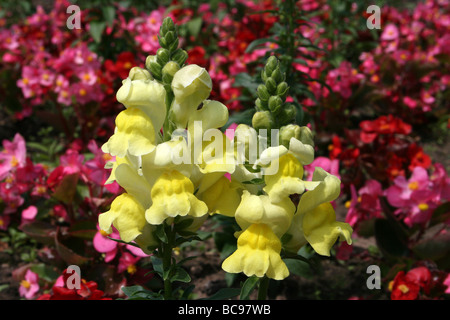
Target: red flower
125 61
197 56
418 157
382 125
407 287
88 291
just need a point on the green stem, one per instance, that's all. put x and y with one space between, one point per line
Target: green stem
263 287
167 262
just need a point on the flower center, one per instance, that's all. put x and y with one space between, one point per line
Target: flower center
413 185
104 233
403 288
26 284
423 206
131 269
14 161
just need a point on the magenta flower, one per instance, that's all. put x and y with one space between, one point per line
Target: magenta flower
13 155
417 197
364 204
390 33
29 214
110 247
400 193
29 286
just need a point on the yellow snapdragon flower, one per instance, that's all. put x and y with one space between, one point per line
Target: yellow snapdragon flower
258 253
127 215
258 209
140 91
173 195
322 230
134 134
191 85
287 180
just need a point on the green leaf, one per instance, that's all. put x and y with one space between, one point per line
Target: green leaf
248 287
252 46
45 272
436 249
441 214
40 231
389 238
160 233
96 30
224 294
109 14
180 275
299 267
157 265
194 26
140 293
254 181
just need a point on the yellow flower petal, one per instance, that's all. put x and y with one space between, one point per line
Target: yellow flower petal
145 94
190 85
127 215
287 180
258 253
324 188
223 197
172 196
134 133
322 230
255 209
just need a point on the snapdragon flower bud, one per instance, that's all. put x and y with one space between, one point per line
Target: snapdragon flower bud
289 131
137 73
262 120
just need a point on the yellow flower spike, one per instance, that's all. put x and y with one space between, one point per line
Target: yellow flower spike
258 253
134 133
322 230
140 91
173 195
191 85
223 197
127 215
287 180
324 187
255 209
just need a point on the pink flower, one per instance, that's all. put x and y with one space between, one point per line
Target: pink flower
447 283
390 33
94 170
29 214
4 222
110 247
29 286
13 155
415 198
329 165
364 204
399 194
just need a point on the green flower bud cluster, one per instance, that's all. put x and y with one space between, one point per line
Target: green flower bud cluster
169 58
271 109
